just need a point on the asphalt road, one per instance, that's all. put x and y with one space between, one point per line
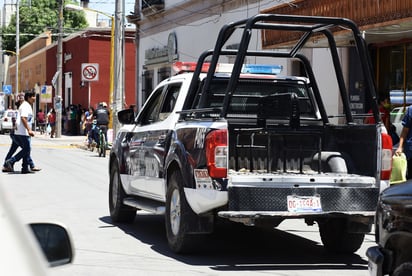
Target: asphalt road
72 189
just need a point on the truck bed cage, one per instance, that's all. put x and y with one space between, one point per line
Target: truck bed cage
272 155
309 26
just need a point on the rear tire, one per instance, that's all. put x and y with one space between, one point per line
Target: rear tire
178 213
336 239
99 149
119 212
103 146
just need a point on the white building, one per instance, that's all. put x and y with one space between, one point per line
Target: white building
181 30
170 30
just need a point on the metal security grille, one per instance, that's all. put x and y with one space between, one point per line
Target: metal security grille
275 199
279 150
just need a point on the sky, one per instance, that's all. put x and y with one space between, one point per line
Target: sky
107 6
104 6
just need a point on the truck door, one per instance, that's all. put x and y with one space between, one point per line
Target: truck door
156 125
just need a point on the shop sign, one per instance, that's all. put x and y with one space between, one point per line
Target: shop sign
163 54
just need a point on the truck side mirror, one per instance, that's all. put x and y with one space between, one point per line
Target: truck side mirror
126 116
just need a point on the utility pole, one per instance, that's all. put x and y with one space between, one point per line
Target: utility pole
135 19
119 64
58 102
139 99
17 46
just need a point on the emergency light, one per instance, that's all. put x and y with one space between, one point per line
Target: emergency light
181 67
262 69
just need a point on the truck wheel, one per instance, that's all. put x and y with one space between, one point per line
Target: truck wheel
404 269
336 239
177 216
119 212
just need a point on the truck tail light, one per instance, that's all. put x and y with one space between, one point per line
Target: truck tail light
386 157
216 153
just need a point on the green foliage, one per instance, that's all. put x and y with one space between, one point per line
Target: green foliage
35 18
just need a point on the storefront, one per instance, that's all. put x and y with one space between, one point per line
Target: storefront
394 71
386 27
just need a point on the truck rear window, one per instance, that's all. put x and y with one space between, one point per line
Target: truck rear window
249 93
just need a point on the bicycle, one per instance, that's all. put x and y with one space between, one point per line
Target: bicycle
102 143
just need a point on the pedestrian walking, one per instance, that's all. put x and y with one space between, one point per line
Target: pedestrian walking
89 116
14 145
73 120
23 134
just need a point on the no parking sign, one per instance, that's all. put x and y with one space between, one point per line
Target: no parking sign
90 71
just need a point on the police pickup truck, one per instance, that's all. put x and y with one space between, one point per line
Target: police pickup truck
240 142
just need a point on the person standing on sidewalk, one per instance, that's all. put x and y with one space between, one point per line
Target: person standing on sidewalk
41 121
51 119
23 133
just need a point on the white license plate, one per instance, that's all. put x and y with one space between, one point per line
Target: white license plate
304 204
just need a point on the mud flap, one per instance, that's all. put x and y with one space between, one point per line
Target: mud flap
201 224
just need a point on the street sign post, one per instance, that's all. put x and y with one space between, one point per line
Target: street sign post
90 72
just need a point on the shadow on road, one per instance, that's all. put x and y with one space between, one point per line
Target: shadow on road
235 247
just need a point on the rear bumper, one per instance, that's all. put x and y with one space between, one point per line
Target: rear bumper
362 216
358 200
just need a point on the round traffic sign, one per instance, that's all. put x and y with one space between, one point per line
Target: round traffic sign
89 72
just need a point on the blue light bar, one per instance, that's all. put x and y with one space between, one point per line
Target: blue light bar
262 69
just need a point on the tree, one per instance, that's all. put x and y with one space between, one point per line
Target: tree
35 18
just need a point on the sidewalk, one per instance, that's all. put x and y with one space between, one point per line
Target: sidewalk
67 140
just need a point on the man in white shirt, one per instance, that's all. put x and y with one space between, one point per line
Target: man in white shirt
23 133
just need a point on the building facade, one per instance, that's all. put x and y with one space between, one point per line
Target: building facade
32 67
172 30
387 29
91 47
